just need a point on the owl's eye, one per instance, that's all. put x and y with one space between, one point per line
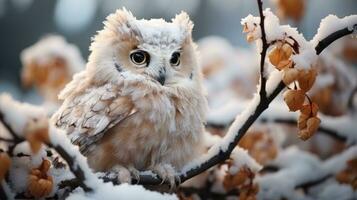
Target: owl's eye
139 57
175 59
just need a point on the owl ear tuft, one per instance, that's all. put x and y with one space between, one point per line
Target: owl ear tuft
122 22
184 22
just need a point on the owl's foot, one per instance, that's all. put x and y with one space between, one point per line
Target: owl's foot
124 175
167 173
134 173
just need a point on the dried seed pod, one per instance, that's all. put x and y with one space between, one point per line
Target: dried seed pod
294 99
290 75
37 133
304 134
310 109
39 183
302 121
245 28
291 8
250 37
232 181
280 55
284 64
5 164
313 124
39 187
307 79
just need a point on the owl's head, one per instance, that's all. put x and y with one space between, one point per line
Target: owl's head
156 49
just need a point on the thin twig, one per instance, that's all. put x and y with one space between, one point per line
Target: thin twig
265 46
6 140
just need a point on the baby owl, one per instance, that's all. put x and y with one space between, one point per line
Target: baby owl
139 104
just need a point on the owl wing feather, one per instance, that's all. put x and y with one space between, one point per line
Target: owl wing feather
86 116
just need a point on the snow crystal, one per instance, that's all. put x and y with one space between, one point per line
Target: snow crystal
332 23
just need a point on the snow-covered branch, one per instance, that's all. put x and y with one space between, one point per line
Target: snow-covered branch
221 151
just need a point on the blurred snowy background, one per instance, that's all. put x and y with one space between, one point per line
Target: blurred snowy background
24 22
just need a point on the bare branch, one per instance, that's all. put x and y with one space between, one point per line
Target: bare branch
265 46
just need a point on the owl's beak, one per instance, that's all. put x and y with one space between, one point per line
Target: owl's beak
162 76
161 79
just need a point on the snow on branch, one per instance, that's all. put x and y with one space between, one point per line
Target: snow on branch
222 150
299 169
266 31
30 121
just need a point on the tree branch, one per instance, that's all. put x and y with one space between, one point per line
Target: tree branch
75 169
323 44
259 109
265 46
330 132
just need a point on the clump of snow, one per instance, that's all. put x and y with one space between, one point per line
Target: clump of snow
17 114
332 23
337 191
338 162
296 167
344 126
306 57
59 138
51 47
241 158
124 191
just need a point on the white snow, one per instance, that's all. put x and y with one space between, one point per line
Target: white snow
332 23
296 167
274 32
124 191
17 114
337 191
53 46
241 158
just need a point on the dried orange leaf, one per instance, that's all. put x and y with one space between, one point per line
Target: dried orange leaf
291 8
310 109
284 64
302 121
5 165
313 124
245 28
280 55
250 37
307 79
294 99
304 134
290 75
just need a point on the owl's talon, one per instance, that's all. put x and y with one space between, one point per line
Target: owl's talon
167 173
124 175
134 173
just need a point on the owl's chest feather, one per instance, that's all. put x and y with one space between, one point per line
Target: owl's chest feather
166 129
